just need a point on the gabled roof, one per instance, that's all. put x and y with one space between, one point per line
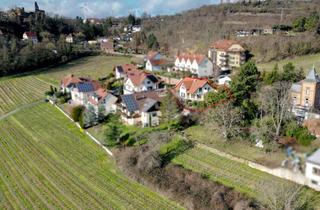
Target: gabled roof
100 94
151 55
85 87
199 58
314 158
225 44
30 34
158 62
127 68
142 101
192 84
137 77
313 76
70 79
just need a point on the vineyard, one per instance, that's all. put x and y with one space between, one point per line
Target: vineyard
239 176
19 91
94 67
47 163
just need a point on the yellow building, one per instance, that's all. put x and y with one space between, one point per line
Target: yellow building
227 54
306 93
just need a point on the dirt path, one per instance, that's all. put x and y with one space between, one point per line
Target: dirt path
20 108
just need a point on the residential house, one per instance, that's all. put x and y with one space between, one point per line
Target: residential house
69 82
69 38
227 54
268 30
141 109
193 89
136 28
198 65
224 80
82 92
32 36
107 47
102 102
122 71
306 93
313 169
155 61
139 81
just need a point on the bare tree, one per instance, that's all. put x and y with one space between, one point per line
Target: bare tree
227 118
287 197
275 101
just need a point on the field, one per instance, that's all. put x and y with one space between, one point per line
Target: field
47 163
15 92
305 62
241 149
241 177
94 67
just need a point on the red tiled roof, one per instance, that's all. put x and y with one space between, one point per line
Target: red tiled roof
31 34
224 44
158 62
198 57
70 79
101 93
137 77
192 84
129 67
151 55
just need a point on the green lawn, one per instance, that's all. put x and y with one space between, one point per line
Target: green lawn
241 177
15 92
46 162
94 67
305 62
242 149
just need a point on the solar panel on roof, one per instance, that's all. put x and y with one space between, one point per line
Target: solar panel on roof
85 87
130 102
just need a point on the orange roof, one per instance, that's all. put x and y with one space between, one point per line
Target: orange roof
137 77
158 62
192 84
128 67
198 57
224 44
70 79
152 54
101 93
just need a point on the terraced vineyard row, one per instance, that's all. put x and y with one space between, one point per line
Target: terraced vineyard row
20 91
230 173
47 163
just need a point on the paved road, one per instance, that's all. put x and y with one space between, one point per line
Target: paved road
20 108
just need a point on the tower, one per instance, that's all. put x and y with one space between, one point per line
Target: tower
36 6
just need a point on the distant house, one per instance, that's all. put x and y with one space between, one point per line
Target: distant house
102 102
136 28
268 30
107 47
81 93
198 65
313 169
31 36
122 71
224 80
193 89
227 54
140 109
69 38
155 61
92 42
306 93
139 81
102 39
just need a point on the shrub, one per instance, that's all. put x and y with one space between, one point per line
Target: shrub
173 148
304 137
76 112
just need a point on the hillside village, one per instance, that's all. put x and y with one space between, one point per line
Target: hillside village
163 115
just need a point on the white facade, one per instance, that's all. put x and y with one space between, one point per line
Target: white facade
69 39
80 98
313 173
146 85
34 39
198 95
151 67
201 67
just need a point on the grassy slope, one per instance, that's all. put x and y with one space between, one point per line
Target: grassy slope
15 92
93 67
305 62
241 177
46 162
240 149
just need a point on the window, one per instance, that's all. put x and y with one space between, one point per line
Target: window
307 91
314 182
154 114
316 171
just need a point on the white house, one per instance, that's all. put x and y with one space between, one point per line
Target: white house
69 82
313 169
102 102
154 61
136 28
30 36
122 71
224 80
193 89
198 65
139 81
69 38
140 109
82 92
